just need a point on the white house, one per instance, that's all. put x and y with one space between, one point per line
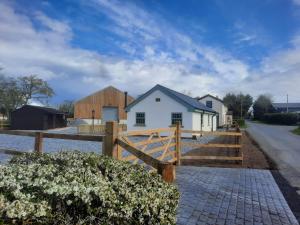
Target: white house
162 107
217 105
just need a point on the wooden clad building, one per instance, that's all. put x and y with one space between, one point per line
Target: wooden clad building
104 105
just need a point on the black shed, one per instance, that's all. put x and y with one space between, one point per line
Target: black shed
31 117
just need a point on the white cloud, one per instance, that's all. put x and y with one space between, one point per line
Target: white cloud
296 2
182 65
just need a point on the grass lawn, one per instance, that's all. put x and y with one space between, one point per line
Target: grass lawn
258 121
244 126
296 131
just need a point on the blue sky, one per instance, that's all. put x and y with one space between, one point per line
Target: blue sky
196 47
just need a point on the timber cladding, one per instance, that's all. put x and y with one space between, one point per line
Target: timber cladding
107 97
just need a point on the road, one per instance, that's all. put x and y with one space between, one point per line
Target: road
282 146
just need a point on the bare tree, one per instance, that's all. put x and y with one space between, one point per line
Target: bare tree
33 87
17 92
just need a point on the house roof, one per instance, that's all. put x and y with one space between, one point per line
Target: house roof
209 95
189 102
44 109
284 105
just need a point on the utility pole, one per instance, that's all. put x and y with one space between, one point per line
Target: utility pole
241 106
287 103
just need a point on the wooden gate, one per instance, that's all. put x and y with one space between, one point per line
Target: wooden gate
157 149
158 143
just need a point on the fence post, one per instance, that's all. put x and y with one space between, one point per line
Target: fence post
167 171
38 145
178 143
109 147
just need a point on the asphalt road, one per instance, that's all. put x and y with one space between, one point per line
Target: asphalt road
282 146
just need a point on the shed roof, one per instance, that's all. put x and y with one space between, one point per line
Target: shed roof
187 101
42 108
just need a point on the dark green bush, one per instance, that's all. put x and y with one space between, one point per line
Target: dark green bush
240 122
280 118
83 188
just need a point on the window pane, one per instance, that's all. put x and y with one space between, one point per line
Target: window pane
140 118
209 104
176 117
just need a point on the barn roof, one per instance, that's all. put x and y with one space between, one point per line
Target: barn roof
189 102
97 92
209 95
42 108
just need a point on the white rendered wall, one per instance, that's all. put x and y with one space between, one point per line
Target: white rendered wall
158 114
205 127
218 107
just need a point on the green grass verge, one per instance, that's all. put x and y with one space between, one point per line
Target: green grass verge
296 131
244 126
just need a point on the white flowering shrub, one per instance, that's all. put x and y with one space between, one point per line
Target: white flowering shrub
83 188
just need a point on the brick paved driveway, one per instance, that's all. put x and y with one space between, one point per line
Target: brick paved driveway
230 196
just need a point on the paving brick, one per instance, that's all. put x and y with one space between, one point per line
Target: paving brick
230 196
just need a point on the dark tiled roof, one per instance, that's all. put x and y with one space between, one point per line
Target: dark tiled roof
284 105
188 101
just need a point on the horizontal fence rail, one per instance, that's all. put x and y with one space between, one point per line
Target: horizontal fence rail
154 144
212 133
96 128
232 139
39 136
158 148
11 152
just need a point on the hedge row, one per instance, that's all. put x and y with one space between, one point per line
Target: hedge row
281 118
83 188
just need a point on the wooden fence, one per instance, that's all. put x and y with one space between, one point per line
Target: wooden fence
157 148
96 128
39 137
111 145
235 144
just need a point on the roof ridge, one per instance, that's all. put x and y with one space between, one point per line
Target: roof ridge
184 95
210 95
176 91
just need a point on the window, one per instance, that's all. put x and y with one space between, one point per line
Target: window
176 117
157 99
140 118
209 104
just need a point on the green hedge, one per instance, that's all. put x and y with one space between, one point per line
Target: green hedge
296 131
83 188
280 118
